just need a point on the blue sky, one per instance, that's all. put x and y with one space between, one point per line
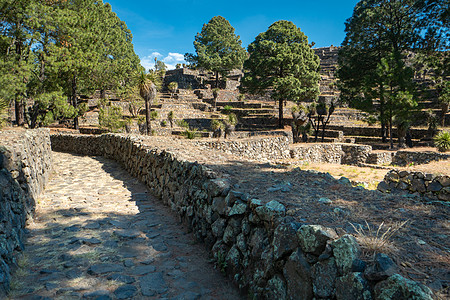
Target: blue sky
166 29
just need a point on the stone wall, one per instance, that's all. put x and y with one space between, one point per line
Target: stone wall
433 186
25 165
380 158
276 147
318 153
267 253
403 158
350 154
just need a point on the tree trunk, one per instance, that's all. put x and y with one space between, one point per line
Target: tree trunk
75 101
383 122
20 112
280 114
217 79
147 115
391 141
445 107
102 93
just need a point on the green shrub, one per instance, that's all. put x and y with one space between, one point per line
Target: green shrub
232 119
216 124
190 133
110 117
370 120
183 124
154 115
442 141
226 109
141 120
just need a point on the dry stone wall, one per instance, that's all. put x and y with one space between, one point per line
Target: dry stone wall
403 158
25 165
265 251
337 153
433 186
256 148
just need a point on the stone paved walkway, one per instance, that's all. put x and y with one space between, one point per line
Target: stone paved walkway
100 234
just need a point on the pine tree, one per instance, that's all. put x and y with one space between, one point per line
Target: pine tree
282 62
218 48
379 34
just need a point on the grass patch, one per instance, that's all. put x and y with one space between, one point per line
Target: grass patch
375 240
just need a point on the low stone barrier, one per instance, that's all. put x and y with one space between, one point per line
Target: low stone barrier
403 158
337 153
318 153
274 147
380 158
267 253
433 186
25 164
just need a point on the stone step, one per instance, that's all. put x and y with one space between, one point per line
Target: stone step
250 112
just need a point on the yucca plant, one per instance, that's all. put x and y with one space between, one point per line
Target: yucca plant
442 141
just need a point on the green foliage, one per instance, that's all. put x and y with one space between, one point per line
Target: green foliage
141 120
442 141
3 111
371 120
281 60
170 116
221 262
216 124
217 47
69 46
110 117
227 109
173 86
163 123
51 107
299 108
444 96
154 115
190 133
241 97
160 66
147 86
372 73
183 124
232 119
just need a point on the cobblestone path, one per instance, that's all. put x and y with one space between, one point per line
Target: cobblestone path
99 234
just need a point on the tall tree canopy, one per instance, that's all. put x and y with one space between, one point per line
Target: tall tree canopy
62 46
217 48
371 70
282 62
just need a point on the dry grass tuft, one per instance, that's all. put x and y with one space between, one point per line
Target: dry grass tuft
378 239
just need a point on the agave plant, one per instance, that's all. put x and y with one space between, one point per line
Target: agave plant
442 141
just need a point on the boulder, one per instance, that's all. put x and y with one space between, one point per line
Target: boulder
345 250
270 211
313 238
400 288
352 286
324 274
285 239
297 272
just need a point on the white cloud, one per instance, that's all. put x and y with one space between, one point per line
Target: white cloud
148 62
171 60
